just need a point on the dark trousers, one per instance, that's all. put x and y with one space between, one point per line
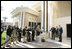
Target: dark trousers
32 37
28 38
19 37
60 38
38 33
53 36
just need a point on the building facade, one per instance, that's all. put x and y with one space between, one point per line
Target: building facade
24 16
56 13
47 14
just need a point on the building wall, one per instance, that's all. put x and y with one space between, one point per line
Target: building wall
38 7
63 21
30 18
17 19
63 8
62 15
28 15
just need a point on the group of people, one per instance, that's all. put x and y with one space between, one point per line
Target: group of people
28 33
15 33
57 31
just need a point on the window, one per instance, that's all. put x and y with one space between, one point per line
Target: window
34 24
30 24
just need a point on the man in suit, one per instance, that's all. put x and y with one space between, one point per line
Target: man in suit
56 31
60 31
33 34
29 34
38 30
53 30
8 37
14 35
24 33
19 31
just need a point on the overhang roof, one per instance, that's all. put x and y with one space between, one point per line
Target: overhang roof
24 9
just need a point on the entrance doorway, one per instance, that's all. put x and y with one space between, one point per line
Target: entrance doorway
68 30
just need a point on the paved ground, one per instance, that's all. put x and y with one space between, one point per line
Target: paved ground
65 40
62 44
48 44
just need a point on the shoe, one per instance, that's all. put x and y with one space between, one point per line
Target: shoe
7 45
59 41
3 47
19 41
24 42
33 40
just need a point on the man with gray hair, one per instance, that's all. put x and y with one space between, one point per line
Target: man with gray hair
60 31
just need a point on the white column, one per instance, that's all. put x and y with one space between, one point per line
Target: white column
50 14
23 19
45 15
42 15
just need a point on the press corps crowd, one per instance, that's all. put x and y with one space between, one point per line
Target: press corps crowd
16 33
28 33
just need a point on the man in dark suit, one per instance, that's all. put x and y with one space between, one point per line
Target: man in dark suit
60 31
8 37
19 34
53 30
24 33
33 34
29 34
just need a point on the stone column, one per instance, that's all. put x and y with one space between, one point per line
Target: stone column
50 15
46 16
21 18
43 15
